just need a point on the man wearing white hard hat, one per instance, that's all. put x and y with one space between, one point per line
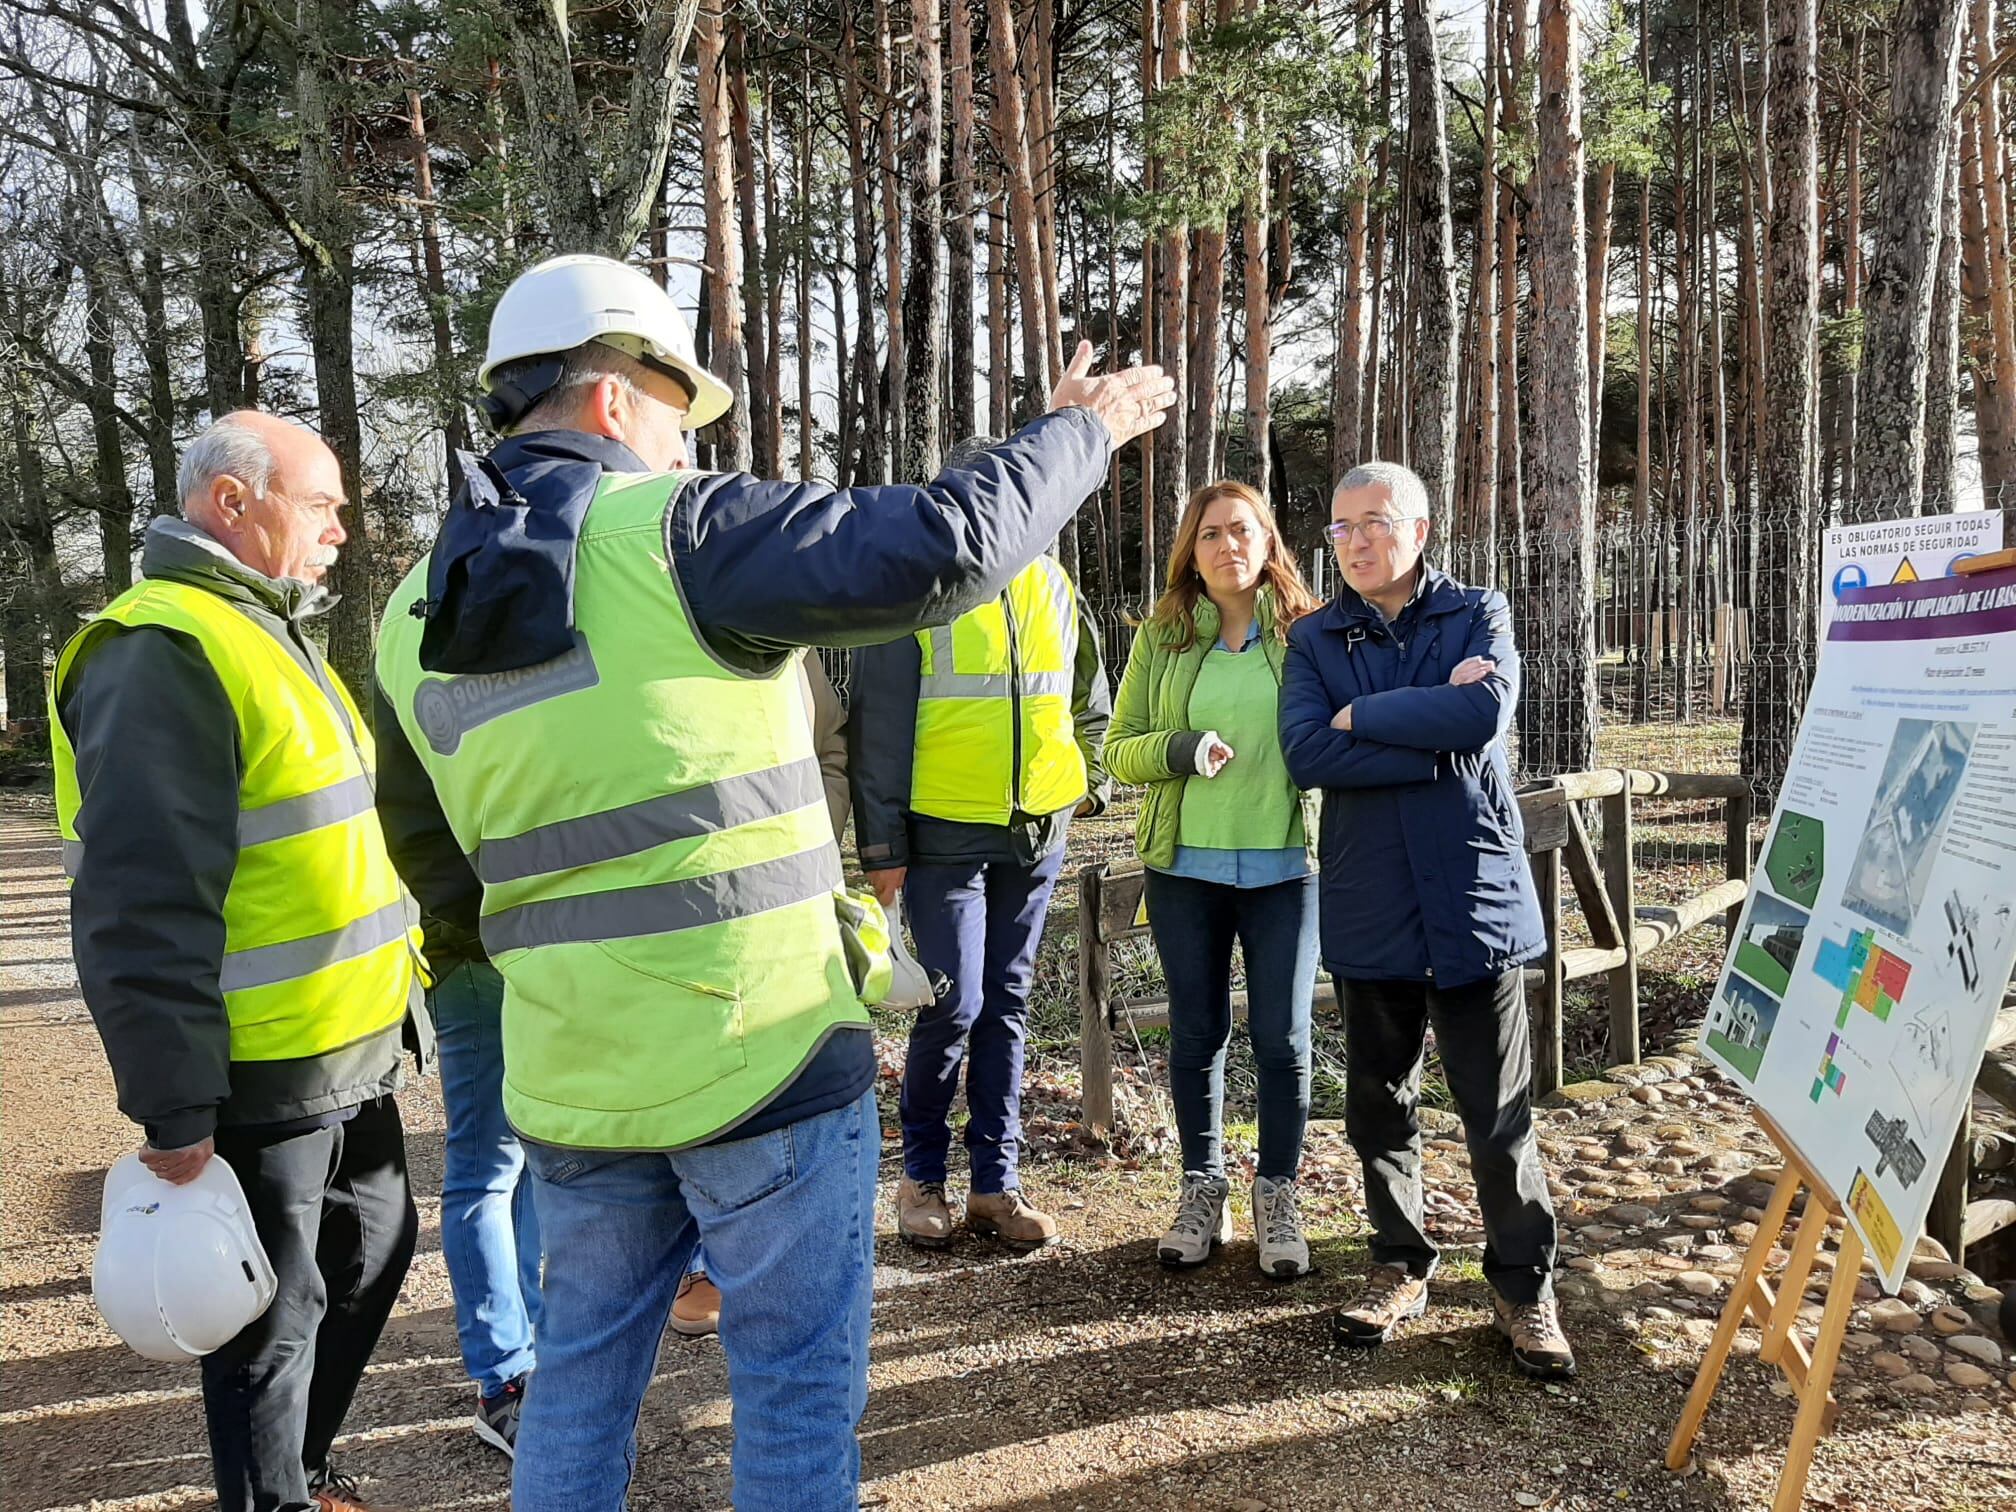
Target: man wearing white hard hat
249 958
597 759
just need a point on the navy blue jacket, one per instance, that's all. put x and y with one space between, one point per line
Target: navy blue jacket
763 568
1423 856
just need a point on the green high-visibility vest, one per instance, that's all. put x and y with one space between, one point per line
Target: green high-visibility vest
994 731
659 873
321 943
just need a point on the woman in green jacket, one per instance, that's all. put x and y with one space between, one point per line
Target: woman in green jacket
1225 836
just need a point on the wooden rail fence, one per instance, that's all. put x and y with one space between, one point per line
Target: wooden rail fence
1557 838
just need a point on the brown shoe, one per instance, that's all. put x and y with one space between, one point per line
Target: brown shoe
1392 1296
1539 1348
337 1492
923 1216
1006 1215
696 1310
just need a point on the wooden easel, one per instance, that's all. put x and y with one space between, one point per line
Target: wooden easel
1775 1309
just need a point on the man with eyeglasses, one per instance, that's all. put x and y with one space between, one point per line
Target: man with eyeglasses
1395 700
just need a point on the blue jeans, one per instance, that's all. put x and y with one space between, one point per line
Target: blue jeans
489 1232
789 1221
978 925
1194 924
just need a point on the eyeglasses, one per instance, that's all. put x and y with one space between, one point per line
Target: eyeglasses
1375 528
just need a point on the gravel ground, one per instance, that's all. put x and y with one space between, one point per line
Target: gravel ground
1084 1376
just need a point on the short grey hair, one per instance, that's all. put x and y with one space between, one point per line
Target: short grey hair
1402 484
581 366
223 449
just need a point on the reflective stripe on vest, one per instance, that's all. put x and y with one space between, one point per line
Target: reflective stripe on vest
994 729
347 799
321 942
658 868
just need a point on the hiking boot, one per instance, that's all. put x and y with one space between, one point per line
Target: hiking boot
1539 1348
696 1310
1277 1225
497 1416
1203 1221
1392 1296
923 1216
333 1491
1007 1216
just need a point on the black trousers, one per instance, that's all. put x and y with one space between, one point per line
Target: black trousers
333 1208
1481 1036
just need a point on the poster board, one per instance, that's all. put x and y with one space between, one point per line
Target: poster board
1901 551
1872 954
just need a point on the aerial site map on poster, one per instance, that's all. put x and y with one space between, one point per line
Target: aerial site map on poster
1871 957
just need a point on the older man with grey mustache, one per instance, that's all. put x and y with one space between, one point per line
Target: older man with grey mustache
244 944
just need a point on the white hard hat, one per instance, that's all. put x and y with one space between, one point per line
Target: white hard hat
564 301
180 1270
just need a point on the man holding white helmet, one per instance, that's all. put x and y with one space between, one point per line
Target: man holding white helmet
596 758
248 955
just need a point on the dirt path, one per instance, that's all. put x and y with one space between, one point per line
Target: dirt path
1081 1377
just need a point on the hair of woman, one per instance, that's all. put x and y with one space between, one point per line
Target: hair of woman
1177 608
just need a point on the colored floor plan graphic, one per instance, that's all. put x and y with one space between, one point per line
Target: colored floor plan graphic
1870 977
1831 1078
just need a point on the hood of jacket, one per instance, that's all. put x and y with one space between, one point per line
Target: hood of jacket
175 551
500 579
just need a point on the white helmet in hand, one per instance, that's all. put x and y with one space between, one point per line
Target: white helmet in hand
554 307
180 1270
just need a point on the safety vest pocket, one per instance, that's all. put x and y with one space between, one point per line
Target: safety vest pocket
665 1039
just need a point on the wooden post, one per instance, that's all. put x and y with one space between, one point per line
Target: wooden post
1736 815
1095 992
1946 1221
1547 1068
1617 882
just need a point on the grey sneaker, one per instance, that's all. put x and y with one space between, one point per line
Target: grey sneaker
497 1417
1203 1221
1284 1253
1392 1296
1539 1347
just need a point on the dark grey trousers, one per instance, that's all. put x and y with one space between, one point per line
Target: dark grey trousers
1481 1036
335 1214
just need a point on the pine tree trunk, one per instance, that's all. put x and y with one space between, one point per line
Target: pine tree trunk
1517 20
1782 629
727 349
1172 284
113 501
1012 131
807 431
1942 384
959 223
1903 268
1602 202
1431 436
1207 290
1259 332
154 341
434 289
1000 319
1995 204
330 317
1561 665
1846 417
758 295
1484 298
924 304
892 244
867 366
1347 409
